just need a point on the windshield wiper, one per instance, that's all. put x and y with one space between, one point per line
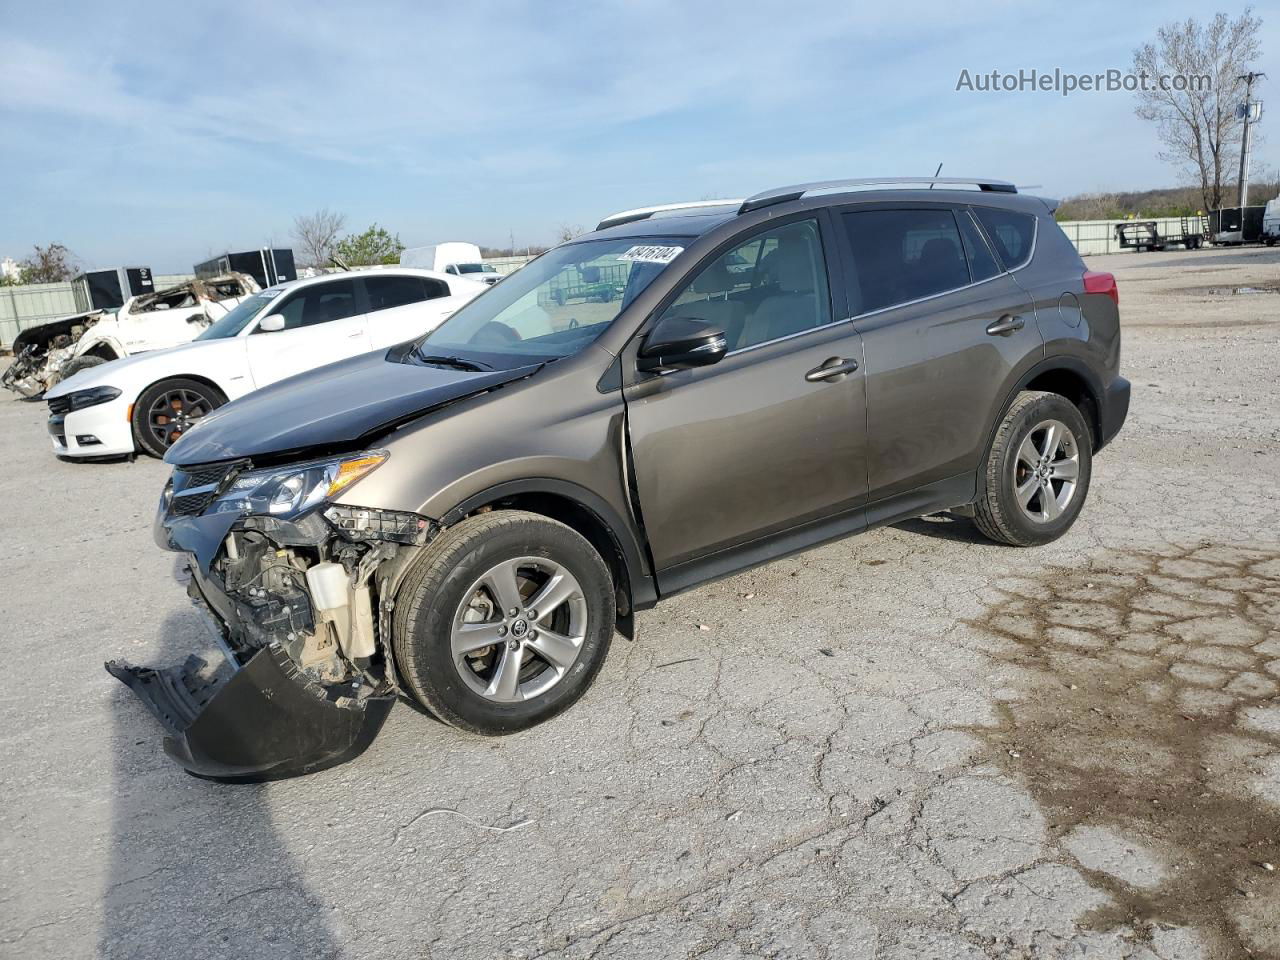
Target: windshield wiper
458 363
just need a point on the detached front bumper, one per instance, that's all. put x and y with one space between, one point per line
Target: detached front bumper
296 608
262 722
258 717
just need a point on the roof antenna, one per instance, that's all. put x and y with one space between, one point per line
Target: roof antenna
935 175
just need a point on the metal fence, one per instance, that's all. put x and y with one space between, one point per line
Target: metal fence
35 303
1099 236
507 265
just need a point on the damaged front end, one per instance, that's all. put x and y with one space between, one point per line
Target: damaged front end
299 590
40 352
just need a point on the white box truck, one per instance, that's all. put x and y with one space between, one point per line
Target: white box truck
460 259
1271 222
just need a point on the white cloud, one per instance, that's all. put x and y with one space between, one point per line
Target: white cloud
249 112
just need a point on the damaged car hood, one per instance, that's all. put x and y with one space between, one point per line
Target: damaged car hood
336 404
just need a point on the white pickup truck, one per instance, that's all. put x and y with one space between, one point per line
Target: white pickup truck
51 352
1271 222
455 257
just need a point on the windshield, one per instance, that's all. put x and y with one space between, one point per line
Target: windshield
239 317
553 307
476 268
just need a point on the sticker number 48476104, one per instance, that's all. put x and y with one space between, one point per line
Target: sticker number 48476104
647 253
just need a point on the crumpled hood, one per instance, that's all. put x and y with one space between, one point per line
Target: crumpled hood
335 404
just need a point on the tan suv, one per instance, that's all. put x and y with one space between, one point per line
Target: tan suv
465 519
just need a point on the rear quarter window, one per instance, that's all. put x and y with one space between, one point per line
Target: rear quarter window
1013 234
1052 240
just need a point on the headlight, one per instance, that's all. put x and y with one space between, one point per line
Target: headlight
289 490
91 397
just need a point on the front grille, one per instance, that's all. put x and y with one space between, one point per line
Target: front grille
204 482
186 477
60 404
191 504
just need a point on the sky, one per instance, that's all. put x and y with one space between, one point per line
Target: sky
149 134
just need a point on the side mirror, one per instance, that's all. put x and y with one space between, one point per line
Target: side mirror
271 324
679 343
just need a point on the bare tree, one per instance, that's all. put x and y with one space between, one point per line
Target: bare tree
317 236
1197 124
568 231
51 264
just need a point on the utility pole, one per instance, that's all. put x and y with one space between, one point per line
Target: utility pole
1242 197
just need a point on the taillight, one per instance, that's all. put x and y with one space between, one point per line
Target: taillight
1098 282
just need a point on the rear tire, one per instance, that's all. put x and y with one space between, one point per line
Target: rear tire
169 408
1037 471
454 641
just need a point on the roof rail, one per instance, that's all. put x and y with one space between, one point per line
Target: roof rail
783 194
644 213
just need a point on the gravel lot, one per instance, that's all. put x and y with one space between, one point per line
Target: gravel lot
908 744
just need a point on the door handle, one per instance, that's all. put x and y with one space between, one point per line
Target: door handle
831 369
1005 326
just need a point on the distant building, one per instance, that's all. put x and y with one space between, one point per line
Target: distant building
9 269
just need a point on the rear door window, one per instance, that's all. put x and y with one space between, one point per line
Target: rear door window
385 293
1012 234
904 255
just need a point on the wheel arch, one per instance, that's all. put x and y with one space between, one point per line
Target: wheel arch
105 349
589 515
1067 377
197 377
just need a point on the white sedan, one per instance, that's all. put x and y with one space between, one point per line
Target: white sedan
146 402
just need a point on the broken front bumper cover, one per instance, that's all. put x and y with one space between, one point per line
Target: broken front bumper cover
263 722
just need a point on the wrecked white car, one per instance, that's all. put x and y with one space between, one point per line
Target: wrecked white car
49 353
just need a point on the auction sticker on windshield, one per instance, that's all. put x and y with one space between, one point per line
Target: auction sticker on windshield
646 253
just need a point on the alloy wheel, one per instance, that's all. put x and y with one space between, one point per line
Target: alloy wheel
174 412
1046 471
519 629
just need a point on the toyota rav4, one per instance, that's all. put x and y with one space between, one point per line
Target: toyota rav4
467 518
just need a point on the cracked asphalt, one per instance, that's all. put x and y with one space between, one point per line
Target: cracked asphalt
909 744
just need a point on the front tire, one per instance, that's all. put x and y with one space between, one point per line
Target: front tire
168 409
1037 471
503 622
76 364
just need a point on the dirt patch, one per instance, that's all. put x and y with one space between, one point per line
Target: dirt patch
1149 714
1207 324
1230 290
